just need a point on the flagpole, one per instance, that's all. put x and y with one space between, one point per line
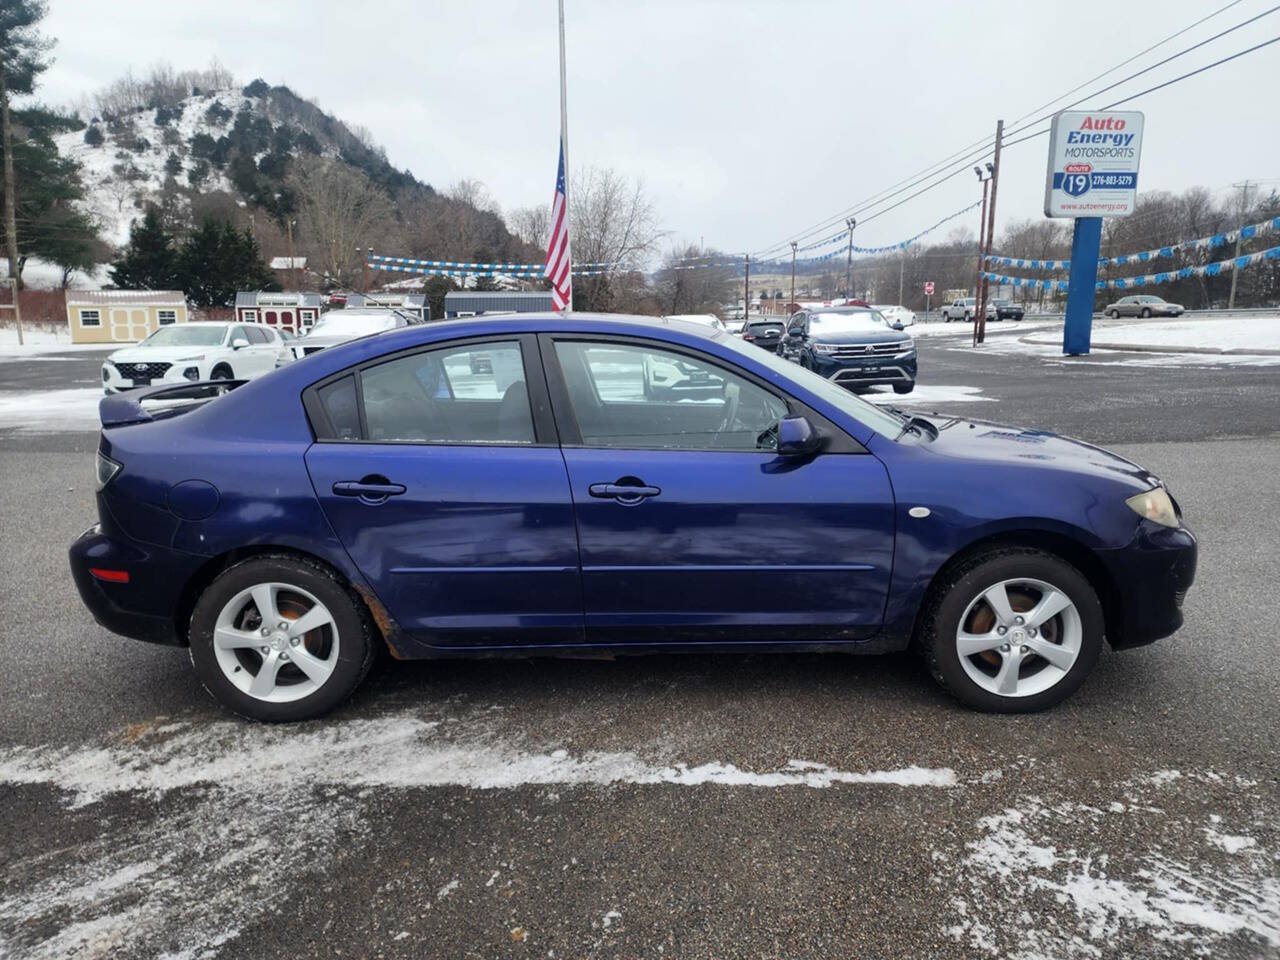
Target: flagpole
564 147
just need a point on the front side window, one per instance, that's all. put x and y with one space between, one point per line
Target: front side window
474 393
632 396
256 334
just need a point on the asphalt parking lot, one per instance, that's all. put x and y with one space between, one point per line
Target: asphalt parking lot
677 807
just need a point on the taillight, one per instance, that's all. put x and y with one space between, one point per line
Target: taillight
106 468
111 576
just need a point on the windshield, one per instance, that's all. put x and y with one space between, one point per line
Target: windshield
881 421
859 321
353 324
187 335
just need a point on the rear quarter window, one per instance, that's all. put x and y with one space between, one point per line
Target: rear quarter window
338 401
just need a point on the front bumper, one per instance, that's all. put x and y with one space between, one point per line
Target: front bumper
113 382
1152 576
872 370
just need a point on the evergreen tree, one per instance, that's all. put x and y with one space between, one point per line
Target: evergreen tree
172 165
93 136
150 261
217 261
22 59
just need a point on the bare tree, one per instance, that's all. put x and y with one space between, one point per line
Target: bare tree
611 220
685 285
339 210
532 225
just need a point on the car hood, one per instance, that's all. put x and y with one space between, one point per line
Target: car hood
985 440
862 336
326 340
157 354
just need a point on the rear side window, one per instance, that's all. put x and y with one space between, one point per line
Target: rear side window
472 393
339 402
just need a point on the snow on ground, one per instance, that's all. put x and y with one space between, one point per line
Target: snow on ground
957 329
1047 879
1237 334
37 341
928 393
189 872
50 411
39 274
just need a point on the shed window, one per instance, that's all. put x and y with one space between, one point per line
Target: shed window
90 318
167 317
249 316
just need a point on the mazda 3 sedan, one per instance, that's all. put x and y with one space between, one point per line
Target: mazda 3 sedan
526 485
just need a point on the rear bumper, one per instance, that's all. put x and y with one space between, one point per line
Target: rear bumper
1152 576
145 607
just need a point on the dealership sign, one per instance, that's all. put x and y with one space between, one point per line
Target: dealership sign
1093 164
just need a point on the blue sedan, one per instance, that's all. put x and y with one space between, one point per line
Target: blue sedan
550 484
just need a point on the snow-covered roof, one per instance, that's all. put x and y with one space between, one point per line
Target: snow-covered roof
263 298
154 298
288 263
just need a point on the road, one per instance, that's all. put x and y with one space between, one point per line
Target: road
687 807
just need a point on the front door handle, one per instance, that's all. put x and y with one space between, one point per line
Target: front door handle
370 489
623 493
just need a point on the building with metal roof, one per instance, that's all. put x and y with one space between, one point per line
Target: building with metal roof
294 310
411 304
122 316
474 303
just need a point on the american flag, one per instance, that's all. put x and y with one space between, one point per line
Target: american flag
558 256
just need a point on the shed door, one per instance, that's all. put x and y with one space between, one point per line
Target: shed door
120 325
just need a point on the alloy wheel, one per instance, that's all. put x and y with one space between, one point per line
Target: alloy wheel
1019 637
276 642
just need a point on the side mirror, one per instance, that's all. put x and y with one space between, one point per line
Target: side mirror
797 437
239 342
898 325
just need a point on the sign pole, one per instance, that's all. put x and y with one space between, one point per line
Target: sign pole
1086 241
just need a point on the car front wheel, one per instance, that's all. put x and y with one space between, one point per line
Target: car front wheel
1012 630
903 387
221 372
1146 314
280 638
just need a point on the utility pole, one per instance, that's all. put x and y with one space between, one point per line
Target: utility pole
985 179
902 266
746 287
1235 273
293 266
848 267
10 218
364 268
980 321
793 276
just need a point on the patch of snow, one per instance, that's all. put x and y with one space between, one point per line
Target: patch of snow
37 341
609 918
930 393
50 411
447 889
1039 881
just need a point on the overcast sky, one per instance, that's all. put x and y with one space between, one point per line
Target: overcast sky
748 120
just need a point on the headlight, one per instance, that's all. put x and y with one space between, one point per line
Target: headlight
824 348
1156 506
106 469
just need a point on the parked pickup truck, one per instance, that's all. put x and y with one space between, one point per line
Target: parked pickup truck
961 309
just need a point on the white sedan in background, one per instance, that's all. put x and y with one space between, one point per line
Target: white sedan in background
897 314
339 326
201 350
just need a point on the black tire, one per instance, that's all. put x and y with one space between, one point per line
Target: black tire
221 372
903 387
1146 313
356 648
1113 314
950 597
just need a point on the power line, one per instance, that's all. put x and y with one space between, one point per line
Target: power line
967 155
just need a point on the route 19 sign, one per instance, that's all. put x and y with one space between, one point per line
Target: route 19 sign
1093 164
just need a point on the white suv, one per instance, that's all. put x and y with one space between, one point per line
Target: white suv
203 350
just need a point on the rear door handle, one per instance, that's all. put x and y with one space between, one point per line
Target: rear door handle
623 493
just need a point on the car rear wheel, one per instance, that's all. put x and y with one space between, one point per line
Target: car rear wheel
1113 314
1146 314
903 387
279 639
1013 630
